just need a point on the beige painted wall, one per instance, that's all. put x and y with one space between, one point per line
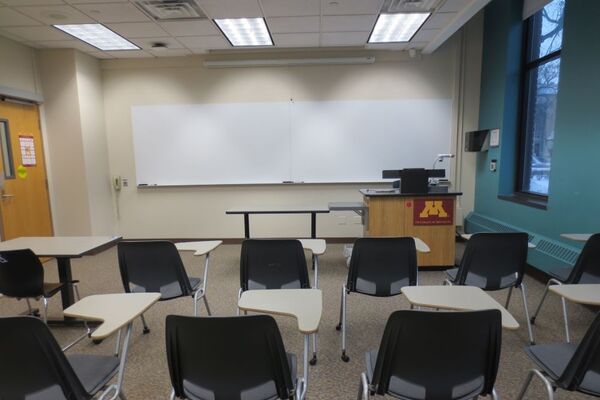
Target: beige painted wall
18 66
95 148
199 212
62 131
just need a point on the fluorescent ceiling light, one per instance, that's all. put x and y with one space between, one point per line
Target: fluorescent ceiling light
391 28
245 31
98 36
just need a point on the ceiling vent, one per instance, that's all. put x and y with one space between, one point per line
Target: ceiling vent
402 6
172 10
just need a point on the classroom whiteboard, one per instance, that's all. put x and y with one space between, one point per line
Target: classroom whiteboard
300 141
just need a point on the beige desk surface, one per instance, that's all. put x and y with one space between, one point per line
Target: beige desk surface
467 236
114 310
60 246
316 246
464 298
200 248
582 294
578 237
306 305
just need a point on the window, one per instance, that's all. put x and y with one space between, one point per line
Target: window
7 160
543 43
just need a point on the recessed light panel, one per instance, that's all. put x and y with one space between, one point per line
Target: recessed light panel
245 31
98 36
391 28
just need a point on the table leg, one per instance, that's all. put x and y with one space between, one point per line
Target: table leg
313 225
247 225
64 275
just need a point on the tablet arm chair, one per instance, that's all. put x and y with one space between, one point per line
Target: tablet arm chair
571 367
379 267
585 271
415 361
495 261
229 358
22 277
32 366
274 264
155 266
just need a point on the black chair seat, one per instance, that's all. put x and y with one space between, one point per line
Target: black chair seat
560 274
50 289
94 371
451 274
552 358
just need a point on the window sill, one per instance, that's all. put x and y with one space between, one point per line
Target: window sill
540 203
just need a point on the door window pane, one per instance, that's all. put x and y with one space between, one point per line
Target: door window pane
7 161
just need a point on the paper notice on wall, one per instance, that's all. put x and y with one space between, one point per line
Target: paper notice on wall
27 150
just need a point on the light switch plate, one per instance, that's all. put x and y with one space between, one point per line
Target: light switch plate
495 138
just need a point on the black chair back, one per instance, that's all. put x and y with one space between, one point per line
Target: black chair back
21 274
438 355
32 363
382 266
586 359
227 358
494 261
273 264
153 266
587 267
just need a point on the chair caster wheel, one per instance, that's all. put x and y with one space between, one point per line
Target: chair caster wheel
338 327
97 341
345 358
146 330
313 361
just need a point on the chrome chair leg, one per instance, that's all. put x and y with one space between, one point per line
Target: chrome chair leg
29 309
345 358
207 306
78 297
539 307
313 360
146 329
508 297
363 389
172 396
495 394
237 308
547 384
45 315
339 325
526 309
566 318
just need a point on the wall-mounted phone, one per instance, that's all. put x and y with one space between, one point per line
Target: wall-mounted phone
117 183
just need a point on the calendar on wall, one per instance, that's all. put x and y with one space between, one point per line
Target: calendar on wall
27 150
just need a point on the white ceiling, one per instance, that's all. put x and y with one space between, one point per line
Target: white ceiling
292 23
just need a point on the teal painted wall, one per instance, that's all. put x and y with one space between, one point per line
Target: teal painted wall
574 192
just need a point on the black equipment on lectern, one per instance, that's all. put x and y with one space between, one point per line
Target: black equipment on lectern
413 180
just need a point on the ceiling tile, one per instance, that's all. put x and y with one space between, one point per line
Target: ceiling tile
10 17
454 5
439 20
204 42
287 8
344 38
231 8
190 28
37 33
55 14
348 23
137 29
100 54
296 39
11 36
31 2
171 52
129 54
293 24
113 12
345 7
146 43
66 44
425 35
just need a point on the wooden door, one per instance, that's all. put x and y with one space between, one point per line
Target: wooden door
24 200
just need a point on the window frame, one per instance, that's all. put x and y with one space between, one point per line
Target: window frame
524 109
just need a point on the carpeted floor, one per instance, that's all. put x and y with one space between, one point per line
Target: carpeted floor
147 375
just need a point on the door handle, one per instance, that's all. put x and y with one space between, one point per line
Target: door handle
5 196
